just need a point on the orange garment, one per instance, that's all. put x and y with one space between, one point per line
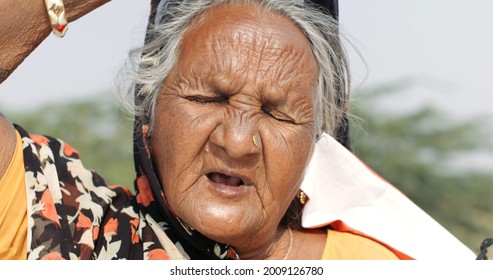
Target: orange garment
348 246
13 208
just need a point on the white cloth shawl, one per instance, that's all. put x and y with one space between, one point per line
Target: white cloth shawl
348 195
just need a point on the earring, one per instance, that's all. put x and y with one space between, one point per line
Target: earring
302 197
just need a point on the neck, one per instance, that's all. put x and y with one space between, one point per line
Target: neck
277 248
305 244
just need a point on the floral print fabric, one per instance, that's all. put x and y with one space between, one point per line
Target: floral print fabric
73 214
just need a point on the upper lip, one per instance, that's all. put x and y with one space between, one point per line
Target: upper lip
247 180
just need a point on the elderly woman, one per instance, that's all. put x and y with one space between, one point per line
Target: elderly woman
235 101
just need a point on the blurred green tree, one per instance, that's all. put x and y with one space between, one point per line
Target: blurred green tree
95 127
426 154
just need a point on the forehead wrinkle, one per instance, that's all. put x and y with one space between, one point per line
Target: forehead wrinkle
290 74
261 58
276 61
257 47
250 51
229 73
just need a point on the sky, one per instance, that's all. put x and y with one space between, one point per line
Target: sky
442 46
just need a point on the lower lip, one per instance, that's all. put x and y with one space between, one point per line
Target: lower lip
228 191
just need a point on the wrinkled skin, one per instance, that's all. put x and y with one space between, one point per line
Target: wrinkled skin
7 134
25 24
240 74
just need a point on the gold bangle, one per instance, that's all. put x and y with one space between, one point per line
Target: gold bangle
58 19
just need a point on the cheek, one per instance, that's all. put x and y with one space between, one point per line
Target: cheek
286 154
166 134
179 136
177 123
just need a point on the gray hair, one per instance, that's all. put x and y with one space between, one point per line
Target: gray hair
173 18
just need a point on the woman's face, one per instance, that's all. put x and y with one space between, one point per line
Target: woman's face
240 75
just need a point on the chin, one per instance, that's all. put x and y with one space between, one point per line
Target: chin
227 225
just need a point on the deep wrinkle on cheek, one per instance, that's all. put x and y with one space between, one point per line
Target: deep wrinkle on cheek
182 170
286 138
281 139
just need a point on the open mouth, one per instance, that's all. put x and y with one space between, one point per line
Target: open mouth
224 179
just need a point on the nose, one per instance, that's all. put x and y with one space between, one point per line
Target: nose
238 135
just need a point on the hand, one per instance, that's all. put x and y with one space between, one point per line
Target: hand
32 26
78 8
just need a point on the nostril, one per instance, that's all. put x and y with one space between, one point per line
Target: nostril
221 178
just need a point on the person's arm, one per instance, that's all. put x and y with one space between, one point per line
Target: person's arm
25 24
7 144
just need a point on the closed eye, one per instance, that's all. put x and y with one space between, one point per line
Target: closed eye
206 99
281 118
278 116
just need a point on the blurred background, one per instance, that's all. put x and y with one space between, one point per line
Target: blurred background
420 108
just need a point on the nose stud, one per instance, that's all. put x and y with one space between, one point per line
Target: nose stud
256 140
